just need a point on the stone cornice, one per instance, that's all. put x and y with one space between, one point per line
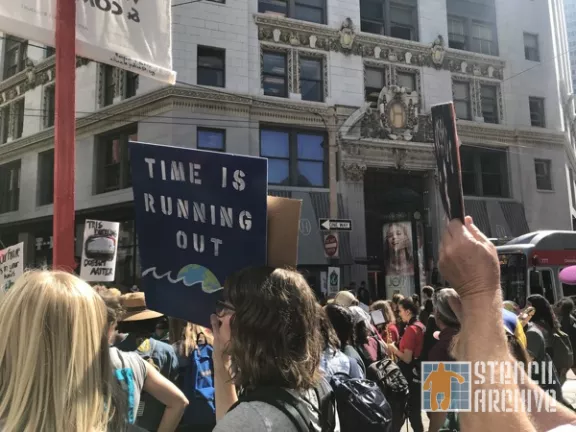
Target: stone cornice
193 99
294 33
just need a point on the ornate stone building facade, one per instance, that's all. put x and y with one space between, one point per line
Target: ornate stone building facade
337 96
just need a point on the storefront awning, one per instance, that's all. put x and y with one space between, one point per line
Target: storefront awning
500 219
316 205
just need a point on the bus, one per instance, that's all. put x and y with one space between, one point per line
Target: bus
530 264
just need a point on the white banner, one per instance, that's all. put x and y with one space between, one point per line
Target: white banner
11 264
135 35
99 251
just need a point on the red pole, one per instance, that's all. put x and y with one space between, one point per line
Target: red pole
64 136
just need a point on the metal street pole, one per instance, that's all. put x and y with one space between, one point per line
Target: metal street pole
333 173
64 136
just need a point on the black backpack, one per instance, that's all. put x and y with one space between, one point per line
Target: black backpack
394 386
295 408
361 405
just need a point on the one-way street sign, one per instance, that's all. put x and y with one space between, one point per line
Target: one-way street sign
336 224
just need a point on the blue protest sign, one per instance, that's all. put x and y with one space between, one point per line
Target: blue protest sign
200 216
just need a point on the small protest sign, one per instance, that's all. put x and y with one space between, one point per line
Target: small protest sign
11 265
200 216
99 251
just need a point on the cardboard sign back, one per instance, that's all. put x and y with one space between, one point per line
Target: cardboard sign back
283 230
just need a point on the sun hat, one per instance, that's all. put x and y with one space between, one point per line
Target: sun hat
135 306
345 298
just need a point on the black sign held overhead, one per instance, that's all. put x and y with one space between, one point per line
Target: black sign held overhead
336 224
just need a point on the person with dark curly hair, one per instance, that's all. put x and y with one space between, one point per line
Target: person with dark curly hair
267 341
343 323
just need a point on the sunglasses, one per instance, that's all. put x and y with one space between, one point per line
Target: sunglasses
223 308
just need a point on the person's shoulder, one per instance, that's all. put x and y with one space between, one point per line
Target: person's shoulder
255 417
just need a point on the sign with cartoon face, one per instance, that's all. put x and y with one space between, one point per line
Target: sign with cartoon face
200 216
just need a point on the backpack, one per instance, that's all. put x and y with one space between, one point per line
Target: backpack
199 386
562 355
295 408
394 386
361 405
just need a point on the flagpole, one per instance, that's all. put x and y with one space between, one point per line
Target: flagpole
64 136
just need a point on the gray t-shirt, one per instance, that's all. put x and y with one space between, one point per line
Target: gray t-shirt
262 417
132 383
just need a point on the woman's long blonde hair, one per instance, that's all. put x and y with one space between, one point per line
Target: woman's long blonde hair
54 359
185 335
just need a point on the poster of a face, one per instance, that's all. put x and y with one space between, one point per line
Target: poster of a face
421 267
398 258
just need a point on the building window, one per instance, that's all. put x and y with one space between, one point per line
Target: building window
46 177
49 105
542 167
531 47
572 189
113 163
406 80
466 34
483 39
295 158
457 38
9 186
15 52
211 66
275 74
304 10
462 100
537 115
18 113
49 52
211 139
386 17
374 83
108 85
484 172
132 80
489 100
5 125
311 85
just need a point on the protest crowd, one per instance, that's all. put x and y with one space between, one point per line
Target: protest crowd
76 357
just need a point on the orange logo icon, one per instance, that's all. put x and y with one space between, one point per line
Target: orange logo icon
439 383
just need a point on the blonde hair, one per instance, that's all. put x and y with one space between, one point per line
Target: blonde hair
54 357
185 335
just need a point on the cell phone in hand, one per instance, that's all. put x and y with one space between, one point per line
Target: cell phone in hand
446 150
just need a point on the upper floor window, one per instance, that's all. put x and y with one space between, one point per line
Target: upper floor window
305 10
484 172
295 157
112 160
543 170
49 51
132 81
462 104
108 85
49 105
211 139
311 82
537 115
211 66
15 53
386 17
46 177
531 47
489 100
10 186
374 82
470 35
275 74
18 113
406 80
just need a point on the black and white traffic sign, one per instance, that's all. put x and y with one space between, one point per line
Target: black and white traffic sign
336 224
